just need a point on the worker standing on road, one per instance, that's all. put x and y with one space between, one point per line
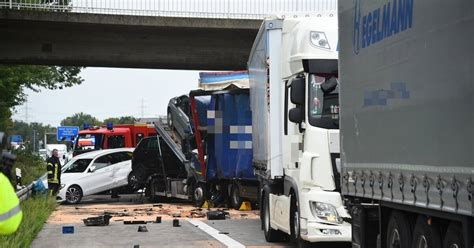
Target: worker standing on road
10 211
54 173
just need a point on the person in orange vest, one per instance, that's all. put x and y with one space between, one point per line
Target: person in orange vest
54 173
10 211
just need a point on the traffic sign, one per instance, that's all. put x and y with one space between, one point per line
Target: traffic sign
67 132
16 138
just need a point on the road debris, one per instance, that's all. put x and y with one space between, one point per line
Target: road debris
142 229
102 220
176 223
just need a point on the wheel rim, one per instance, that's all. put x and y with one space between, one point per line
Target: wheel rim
421 242
198 194
395 240
72 195
454 246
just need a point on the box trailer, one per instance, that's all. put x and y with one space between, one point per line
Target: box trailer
407 125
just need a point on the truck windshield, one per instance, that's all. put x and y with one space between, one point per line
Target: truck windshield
323 110
88 142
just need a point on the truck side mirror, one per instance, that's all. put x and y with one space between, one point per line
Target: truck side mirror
295 115
297 91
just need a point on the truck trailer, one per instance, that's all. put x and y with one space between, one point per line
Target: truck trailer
407 122
293 68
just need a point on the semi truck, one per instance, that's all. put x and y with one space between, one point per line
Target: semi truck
111 136
293 68
407 122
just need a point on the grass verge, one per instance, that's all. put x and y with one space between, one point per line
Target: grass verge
36 211
32 167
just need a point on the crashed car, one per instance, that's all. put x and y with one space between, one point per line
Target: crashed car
95 172
179 116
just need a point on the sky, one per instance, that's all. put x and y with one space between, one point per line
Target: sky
109 92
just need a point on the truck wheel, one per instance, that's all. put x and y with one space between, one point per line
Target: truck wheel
73 194
398 231
426 235
295 223
454 237
271 235
235 199
199 195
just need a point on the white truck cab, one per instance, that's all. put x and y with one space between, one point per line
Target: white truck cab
293 70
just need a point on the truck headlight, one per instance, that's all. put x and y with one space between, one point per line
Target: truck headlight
325 212
319 40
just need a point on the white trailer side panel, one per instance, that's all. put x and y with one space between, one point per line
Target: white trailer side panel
267 120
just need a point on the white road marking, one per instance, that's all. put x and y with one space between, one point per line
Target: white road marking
223 238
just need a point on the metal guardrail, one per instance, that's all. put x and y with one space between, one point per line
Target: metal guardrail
229 9
24 193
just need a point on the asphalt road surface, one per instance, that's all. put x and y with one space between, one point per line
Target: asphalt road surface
192 232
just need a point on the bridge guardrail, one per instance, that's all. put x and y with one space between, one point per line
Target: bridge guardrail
229 9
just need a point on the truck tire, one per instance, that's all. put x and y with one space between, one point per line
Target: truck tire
271 235
199 195
398 231
454 237
426 235
235 199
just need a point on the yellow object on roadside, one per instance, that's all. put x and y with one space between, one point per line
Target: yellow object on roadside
10 211
246 206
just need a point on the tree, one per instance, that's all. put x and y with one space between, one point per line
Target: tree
14 79
121 120
78 119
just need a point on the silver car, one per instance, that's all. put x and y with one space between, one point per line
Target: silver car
179 116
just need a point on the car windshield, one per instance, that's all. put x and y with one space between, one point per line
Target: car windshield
88 142
77 166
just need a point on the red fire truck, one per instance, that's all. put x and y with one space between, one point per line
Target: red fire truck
111 136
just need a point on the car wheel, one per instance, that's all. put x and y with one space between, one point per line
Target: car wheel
235 199
169 119
133 184
73 194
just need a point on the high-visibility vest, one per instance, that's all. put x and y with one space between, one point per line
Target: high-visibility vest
53 171
10 211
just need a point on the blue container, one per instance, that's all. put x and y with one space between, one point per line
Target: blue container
68 229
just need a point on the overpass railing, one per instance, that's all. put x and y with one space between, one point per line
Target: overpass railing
230 9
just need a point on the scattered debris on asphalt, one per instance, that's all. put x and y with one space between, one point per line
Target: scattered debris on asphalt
134 222
217 215
125 211
142 229
102 220
176 223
